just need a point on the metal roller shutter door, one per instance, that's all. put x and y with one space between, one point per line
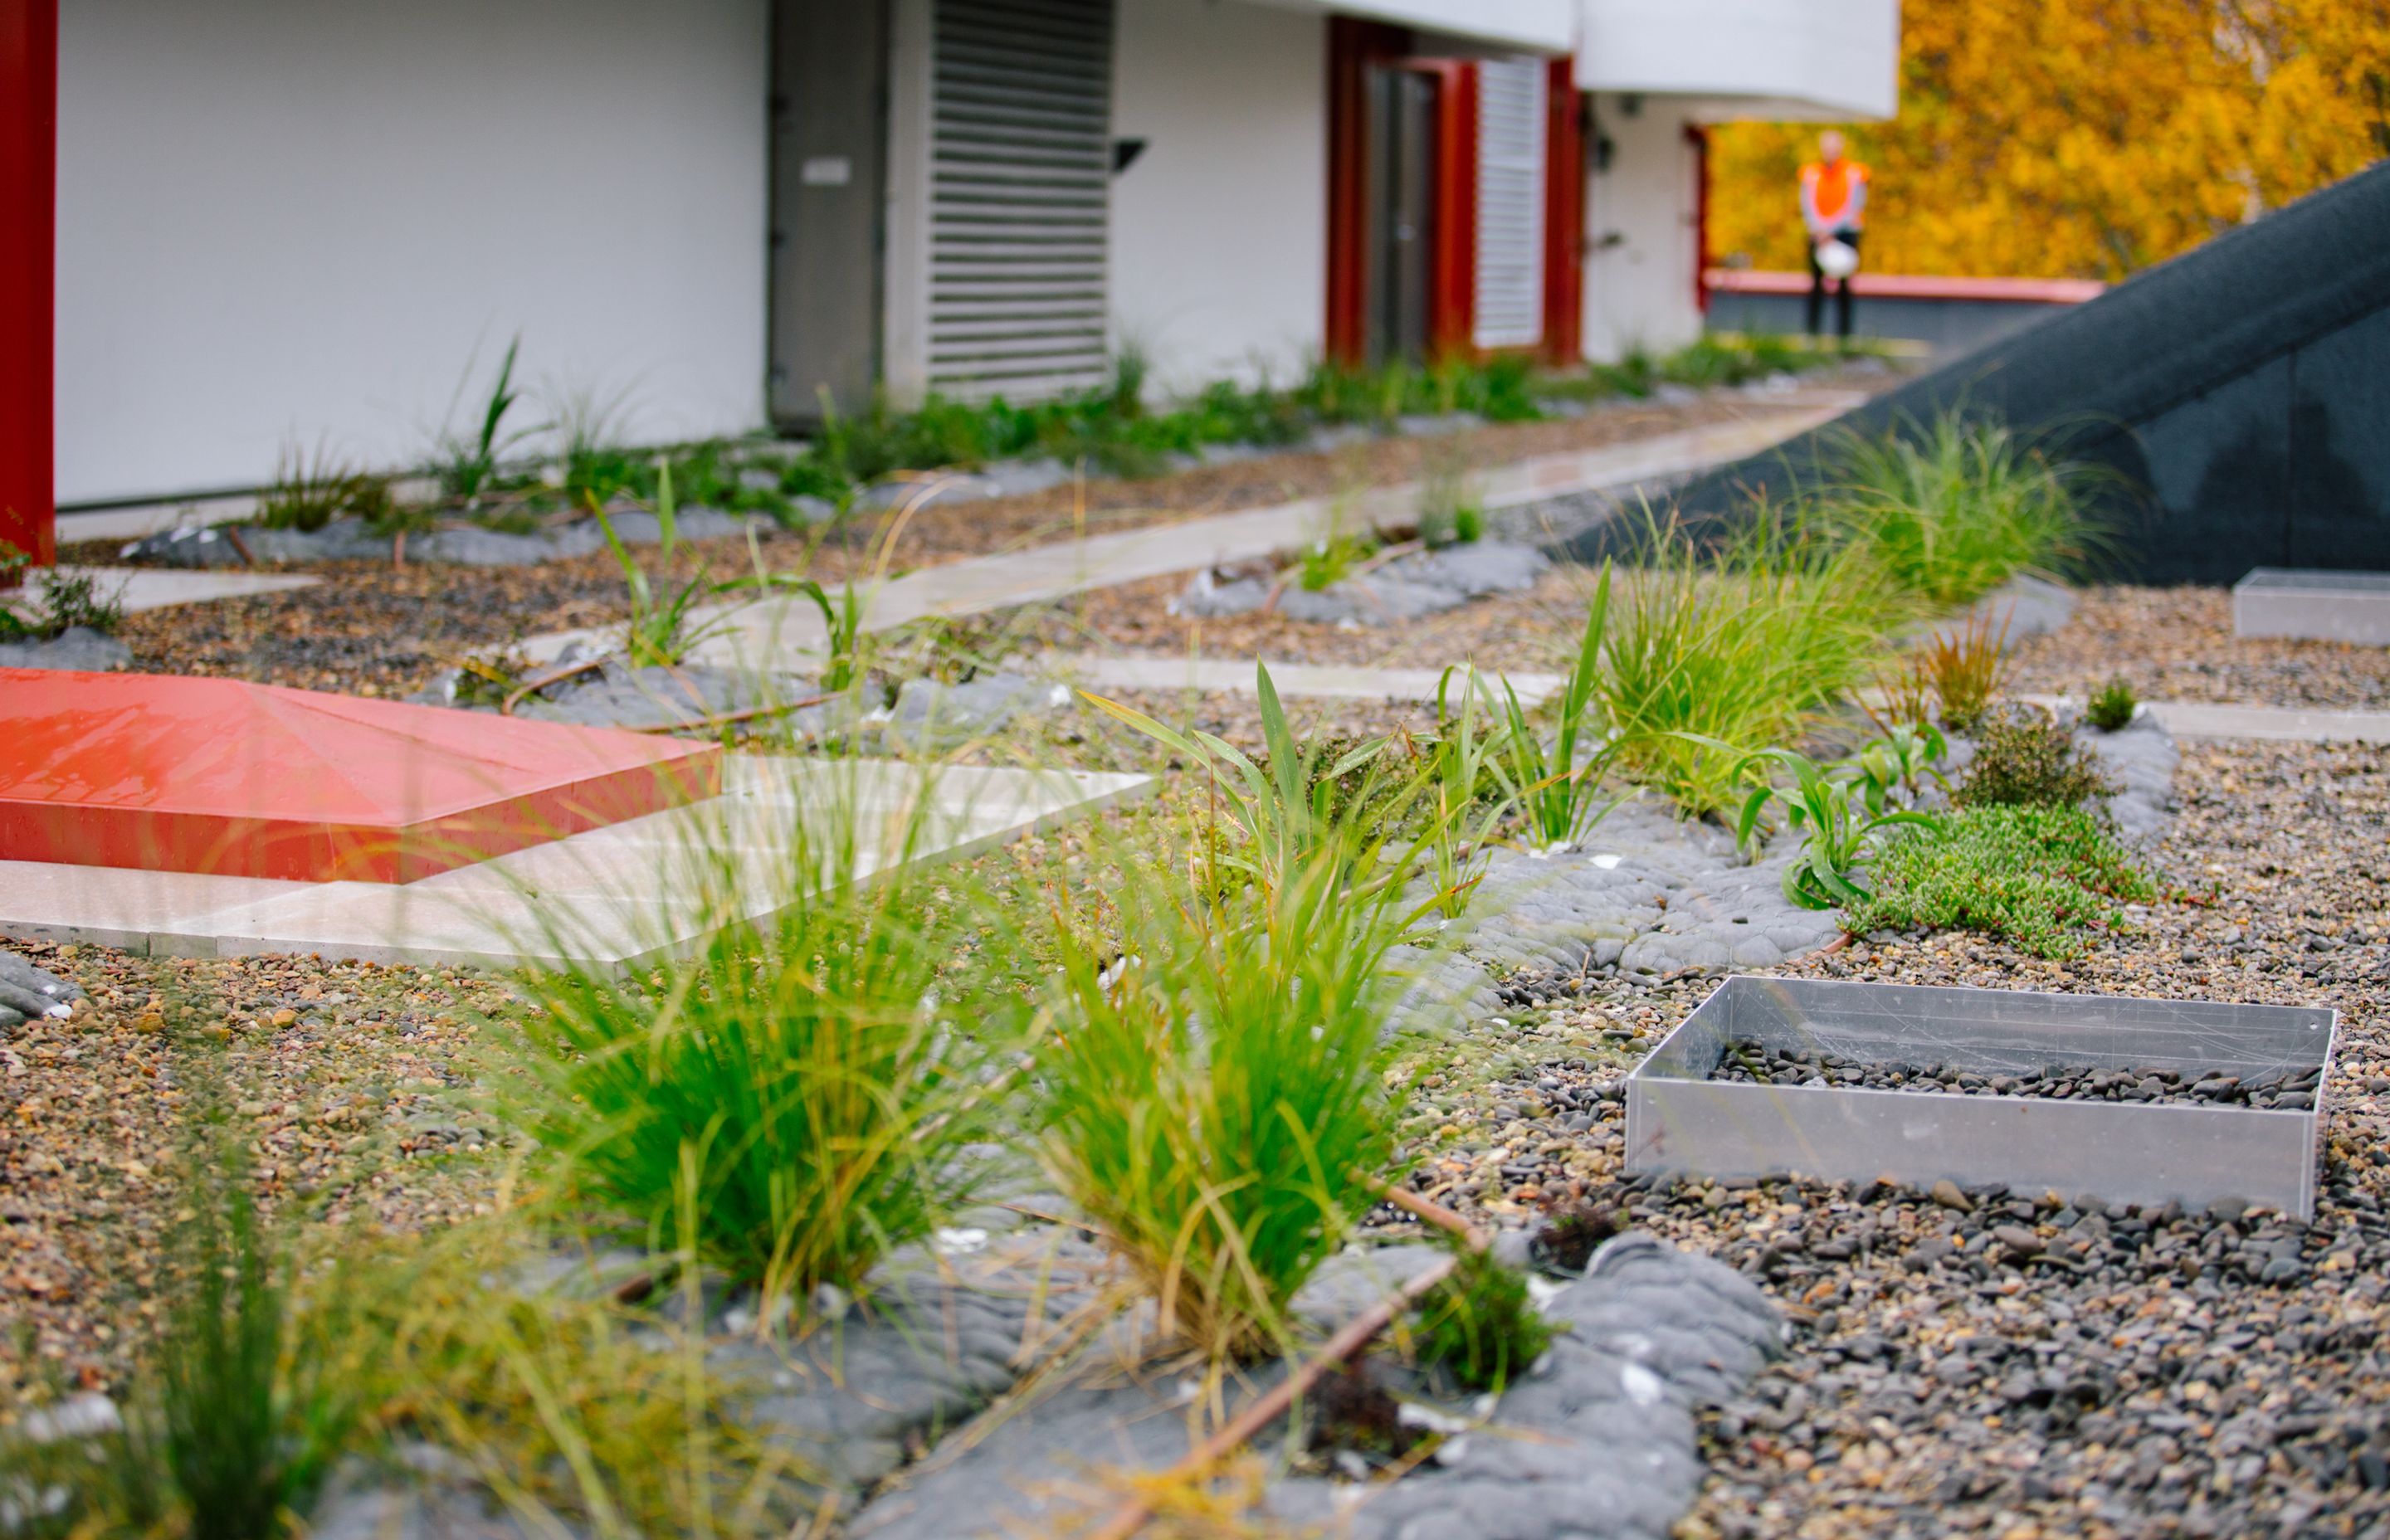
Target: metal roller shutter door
1019 189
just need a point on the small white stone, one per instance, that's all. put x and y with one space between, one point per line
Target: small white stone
1642 1387
959 1242
1608 862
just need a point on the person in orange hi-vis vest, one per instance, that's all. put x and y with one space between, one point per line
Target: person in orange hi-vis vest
1833 201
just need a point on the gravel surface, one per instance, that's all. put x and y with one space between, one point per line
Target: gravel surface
1754 1063
375 629
2200 1373
2176 643
359 1082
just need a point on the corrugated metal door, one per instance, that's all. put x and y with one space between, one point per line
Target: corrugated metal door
1020 196
1510 196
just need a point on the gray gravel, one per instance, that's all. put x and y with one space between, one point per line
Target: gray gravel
461 545
2025 1364
1753 1062
1425 583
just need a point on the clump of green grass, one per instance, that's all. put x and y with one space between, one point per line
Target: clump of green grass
1953 508
1713 656
2041 877
311 488
2023 759
1480 1324
1216 1088
801 1083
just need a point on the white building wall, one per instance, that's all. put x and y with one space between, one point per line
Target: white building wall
1219 235
1829 59
1641 221
286 220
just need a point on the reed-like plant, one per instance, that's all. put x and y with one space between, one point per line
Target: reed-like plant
1560 787
1279 813
1952 508
807 1078
1966 662
1737 644
1216 1088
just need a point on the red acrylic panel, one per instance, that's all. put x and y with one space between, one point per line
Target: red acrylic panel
217 775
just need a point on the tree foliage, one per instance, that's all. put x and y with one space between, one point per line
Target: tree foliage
2081 138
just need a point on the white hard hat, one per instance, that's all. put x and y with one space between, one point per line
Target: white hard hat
1837 259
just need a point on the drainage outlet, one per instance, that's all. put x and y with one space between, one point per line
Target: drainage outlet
2131 1101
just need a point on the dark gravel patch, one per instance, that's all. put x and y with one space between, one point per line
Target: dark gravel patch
2027 1365
1754 1063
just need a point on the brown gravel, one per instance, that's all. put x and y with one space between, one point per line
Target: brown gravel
1536 630
2176 643
371 629
357 1079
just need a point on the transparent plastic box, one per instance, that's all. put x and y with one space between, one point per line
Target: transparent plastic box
1677 1118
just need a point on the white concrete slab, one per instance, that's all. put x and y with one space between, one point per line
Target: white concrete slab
642 888
139 588
2198 719
781 635
2316 606
1232 675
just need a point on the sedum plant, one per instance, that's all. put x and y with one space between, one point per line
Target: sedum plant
2041 878
1217 1091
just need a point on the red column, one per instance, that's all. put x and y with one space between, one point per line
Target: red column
29 177
1452 303
1564 220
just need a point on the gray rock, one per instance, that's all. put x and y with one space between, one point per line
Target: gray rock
930 716
810 509
26 991
1597 1439
78 646
656 696
1425 583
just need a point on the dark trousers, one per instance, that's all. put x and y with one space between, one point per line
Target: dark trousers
1818 282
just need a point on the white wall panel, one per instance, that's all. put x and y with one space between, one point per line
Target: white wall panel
285 219
1220 228
1783 58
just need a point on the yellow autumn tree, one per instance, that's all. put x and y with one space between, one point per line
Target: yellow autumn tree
2080 138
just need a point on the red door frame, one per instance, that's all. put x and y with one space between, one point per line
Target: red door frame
1564 218
1353 48
1699 137
1452 292
28 176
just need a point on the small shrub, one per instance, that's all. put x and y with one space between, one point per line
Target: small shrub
2111 707
2042 878
2025 760
1451 513
1966 665
467 464
1560 790
1330 559
68 600
1480 1324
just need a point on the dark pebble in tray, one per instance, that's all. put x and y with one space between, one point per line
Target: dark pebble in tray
1754 1063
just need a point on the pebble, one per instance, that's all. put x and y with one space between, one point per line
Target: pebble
1754 1063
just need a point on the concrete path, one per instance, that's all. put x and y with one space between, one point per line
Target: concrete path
642 889
2200 719
2182 718
1313 681
784 634
139 588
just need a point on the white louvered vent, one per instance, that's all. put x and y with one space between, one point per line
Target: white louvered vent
1020 190
1510 136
